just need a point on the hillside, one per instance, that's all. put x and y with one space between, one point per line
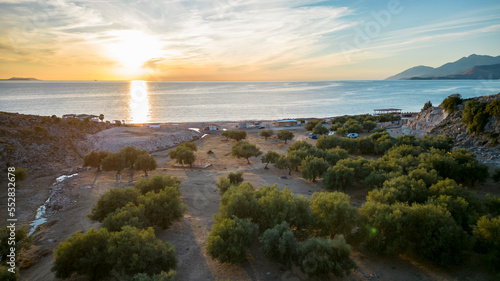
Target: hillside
476 72
452 68
437 121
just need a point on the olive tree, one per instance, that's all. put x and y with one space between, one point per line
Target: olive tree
244 149
270 157
266 133
285 135
94 159
145 163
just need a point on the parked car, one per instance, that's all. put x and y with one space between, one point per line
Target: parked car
314 137
331 133
352 135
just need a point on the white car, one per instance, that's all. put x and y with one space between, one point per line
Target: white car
352 135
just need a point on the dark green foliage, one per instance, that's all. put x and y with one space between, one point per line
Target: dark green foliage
189 145
130 154
244 149
133 251
351 145
366 146
493 108
313 167
311 124
230 240
235 177
475 116
327 142
130 214
334 213
387 117
183 155
487 234
235 135
284 163
285 135
335 126
266 133
114 162
300 145
353 126
94 159
426 230
427 105
317 257
496 175
110 201
319 129
22 241
400 189
333 155
440 142
492 204
362 167
163 208
451 102
84 254
20 173
339 119
223 185
275 206
428 177
239 201
6 275
279 244
339 177
270 157
145 163
369 125
157 183
163 276
375 179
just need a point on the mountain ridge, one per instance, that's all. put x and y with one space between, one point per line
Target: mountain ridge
451 68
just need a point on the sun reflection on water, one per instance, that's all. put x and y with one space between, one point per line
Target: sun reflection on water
140 109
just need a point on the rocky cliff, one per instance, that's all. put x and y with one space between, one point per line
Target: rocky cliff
436 121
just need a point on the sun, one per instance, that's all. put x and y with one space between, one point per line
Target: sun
131 49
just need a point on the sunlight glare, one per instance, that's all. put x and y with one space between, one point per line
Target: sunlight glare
140 111
132 49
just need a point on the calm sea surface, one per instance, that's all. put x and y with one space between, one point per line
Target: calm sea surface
143 101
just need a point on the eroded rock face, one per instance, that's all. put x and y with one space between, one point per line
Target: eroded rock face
436 121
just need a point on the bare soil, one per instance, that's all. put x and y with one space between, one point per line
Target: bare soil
189 235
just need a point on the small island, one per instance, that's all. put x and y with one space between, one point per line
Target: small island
20 79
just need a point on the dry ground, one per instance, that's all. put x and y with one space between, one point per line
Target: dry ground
189 235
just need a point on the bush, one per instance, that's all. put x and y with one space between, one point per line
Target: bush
369 125
20 174
110 201
133 251
285 135
351 145
223 185
375 179
366 146
239 201
317 257
163 208
130 214
339 177
487 233
496 175
475 116
157 183
279 244
493 108
313 167
427 105
243 149
334 213
6 275
235 177
270 157
230 240
183 155
428 177
235 135
425 230
327 142
163 276
319 129
84 254
311 124
451 102
333 155
275 206
266 133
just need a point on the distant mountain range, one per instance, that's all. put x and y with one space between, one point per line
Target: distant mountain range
19 79
471 67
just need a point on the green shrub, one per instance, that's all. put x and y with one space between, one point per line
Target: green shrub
375 179
317 257
230 240
235 178
427 105
239 201
339 177
487 233
130 214
279 244
313 167
110 201
475 116
451 102
163 208
493 108
275 206
157 183
334 213
333 155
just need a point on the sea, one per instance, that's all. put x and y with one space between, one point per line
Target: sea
176 102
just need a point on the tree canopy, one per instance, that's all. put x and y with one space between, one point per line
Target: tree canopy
244 149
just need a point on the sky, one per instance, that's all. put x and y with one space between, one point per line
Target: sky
180 40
